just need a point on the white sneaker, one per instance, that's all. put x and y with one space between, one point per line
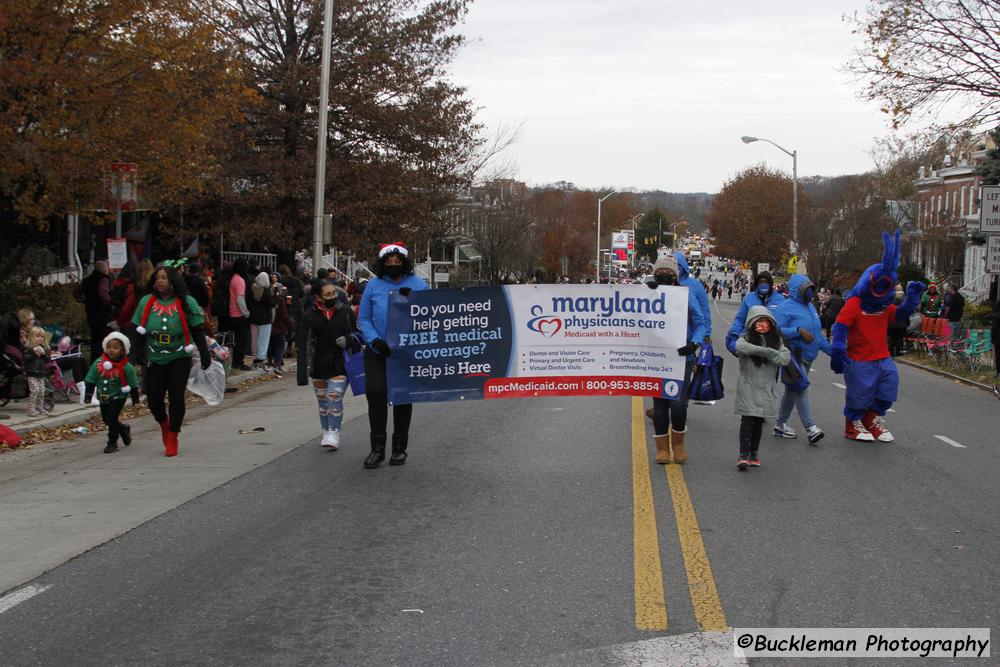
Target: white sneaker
815 434
331 439
783 430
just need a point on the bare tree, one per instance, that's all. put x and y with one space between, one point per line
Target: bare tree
921 56
504 234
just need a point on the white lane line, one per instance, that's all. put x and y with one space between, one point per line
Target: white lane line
839 386
949 441
11 600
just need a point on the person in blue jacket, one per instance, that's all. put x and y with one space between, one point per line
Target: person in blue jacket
803 333
764 294
394 273
669 415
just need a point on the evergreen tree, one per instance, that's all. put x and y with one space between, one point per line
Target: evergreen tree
990 169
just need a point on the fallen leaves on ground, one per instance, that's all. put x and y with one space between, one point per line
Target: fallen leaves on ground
46 435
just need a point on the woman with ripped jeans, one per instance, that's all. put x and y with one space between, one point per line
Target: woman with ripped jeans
324 333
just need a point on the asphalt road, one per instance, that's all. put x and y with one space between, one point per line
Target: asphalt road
511 537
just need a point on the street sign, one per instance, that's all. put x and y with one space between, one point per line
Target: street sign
763 266
619 240
123 185
989 209
441 275
993 254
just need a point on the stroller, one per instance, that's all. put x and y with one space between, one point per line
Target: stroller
14 383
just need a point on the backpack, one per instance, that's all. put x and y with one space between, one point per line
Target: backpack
118 295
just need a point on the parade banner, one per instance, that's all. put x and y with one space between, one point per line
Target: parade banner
536 340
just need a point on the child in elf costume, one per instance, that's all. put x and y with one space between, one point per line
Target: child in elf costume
114 379
860 350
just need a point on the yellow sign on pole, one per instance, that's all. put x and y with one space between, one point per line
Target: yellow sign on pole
793 263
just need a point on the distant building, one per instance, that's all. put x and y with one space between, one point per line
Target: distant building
944 238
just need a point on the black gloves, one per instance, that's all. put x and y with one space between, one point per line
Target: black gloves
404 291
687 349
381 348
651 284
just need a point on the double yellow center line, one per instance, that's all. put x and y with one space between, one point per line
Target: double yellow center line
650 602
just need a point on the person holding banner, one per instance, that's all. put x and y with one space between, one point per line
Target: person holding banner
670 415
394 273
325 329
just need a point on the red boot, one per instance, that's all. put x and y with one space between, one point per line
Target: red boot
164 429
877 427
170 444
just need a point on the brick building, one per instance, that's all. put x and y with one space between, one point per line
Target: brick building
944 237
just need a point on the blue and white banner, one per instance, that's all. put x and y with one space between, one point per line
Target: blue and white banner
536 340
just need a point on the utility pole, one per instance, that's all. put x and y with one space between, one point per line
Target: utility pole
321 135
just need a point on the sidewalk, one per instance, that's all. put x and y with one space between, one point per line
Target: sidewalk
63 499
63 413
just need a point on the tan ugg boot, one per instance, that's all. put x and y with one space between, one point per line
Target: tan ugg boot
677 443
649 412
662 448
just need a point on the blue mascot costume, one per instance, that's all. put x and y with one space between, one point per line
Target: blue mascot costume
860 350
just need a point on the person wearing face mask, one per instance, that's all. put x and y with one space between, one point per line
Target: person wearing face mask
763 294
670 415
325 330
393 273
800 326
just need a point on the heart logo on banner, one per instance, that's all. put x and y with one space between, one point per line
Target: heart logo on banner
549 327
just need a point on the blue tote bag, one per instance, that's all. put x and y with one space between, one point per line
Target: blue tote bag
794 376
706 382
354 364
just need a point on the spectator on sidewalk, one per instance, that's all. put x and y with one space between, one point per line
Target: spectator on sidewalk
260 305
281 328
97 301
954 311
239 314
35 357
931 303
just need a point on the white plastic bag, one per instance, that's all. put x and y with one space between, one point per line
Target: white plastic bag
210 383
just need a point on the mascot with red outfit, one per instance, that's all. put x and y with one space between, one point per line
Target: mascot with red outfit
860 350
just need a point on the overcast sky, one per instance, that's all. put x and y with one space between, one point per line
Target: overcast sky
655 94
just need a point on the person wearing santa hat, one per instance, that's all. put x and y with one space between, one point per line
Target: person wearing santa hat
114 379
394 273
171 322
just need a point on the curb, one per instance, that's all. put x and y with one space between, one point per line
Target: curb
945 374
82 415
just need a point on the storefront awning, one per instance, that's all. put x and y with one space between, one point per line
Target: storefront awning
468 253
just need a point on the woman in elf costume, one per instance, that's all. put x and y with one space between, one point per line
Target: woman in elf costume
173 327
113 379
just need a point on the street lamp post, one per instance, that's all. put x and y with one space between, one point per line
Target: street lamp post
795 187
632 256
321 131
597 267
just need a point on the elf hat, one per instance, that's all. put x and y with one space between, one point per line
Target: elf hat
118 336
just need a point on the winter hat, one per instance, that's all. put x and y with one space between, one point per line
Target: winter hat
666 261
766 275
118 336
388 248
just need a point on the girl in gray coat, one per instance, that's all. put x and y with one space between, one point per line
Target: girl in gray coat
761 352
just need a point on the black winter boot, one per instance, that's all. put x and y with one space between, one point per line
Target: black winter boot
398 457
375 459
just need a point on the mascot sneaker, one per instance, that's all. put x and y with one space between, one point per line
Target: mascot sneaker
855 430
876 427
